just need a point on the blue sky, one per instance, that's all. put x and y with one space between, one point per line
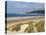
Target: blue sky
23 7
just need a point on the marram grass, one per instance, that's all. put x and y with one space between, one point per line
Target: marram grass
39 25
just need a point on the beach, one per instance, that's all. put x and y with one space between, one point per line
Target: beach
18 18
13 21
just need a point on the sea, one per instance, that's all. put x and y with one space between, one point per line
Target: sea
22 15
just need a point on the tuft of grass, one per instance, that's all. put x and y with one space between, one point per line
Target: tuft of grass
40 26
30 28
15 27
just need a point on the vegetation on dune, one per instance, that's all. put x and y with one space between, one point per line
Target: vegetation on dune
15 27
40 26
30 28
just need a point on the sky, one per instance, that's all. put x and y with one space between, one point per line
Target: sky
16 7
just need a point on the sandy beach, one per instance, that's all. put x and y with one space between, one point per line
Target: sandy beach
11 21
19 18
16 20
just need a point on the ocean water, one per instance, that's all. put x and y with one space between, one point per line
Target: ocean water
21 15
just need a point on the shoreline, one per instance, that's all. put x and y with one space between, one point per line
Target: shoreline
11 23
21 18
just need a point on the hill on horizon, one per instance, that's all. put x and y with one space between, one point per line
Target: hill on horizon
37 11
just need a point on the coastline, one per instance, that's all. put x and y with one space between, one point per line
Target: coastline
20 20
25 17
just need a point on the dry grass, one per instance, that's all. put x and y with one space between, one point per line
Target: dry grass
30 28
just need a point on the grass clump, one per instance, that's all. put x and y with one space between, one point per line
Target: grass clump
40 26
15 27
30 28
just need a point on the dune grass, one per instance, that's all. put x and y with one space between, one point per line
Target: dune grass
30 28
40 26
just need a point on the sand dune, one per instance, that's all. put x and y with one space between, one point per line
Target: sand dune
22 20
